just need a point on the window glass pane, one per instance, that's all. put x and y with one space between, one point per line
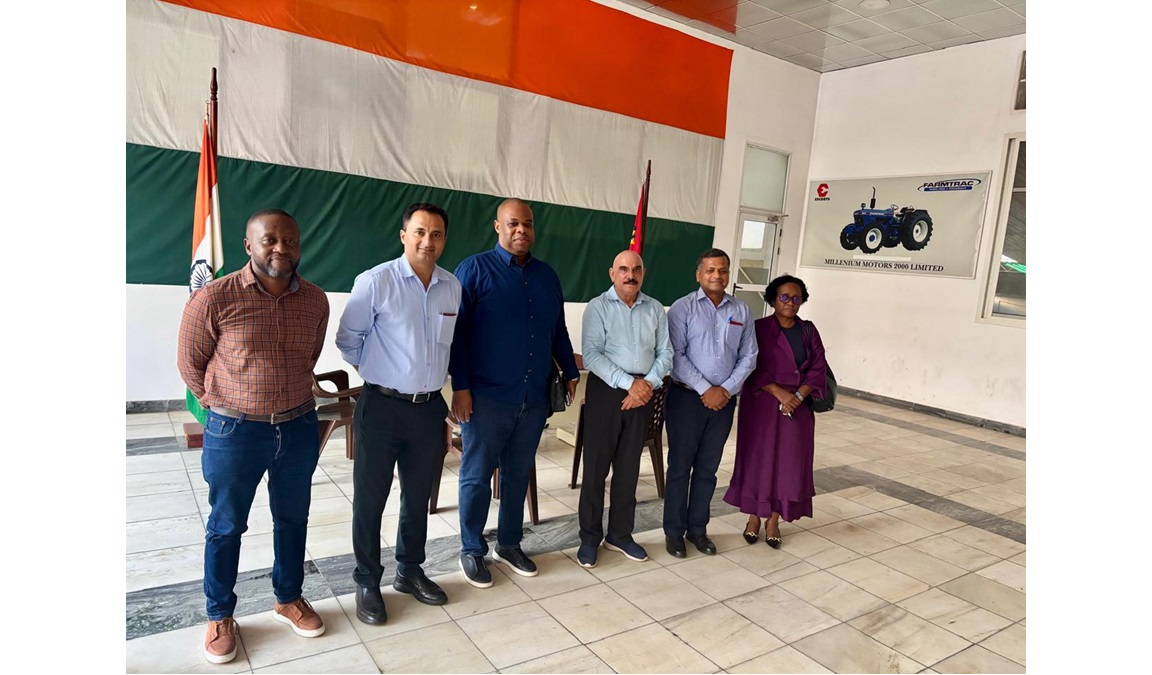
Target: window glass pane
1019 181
763 182
1011 282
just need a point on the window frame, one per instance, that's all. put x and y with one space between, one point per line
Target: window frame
1007 189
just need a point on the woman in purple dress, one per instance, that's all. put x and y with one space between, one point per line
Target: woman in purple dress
775 430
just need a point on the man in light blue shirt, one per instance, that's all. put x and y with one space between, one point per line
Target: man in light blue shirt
627 353
397 331
713 352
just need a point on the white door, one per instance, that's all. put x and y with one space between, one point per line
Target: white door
756 254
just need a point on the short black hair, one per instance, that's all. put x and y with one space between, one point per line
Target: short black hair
424 206
271 212
712 253
774 287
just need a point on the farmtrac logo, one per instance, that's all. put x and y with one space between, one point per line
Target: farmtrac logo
950 185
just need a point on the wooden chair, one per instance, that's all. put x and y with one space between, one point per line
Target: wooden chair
654 440
339 413
455 445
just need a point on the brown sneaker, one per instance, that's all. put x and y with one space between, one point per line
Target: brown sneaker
300 615
220 642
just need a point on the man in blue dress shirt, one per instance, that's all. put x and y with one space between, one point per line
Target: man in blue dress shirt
397 331
627 353
511 330
713 352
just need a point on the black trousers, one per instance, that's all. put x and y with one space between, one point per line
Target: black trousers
392 433
696 437
613 439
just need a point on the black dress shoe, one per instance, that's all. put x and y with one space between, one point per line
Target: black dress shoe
420 587
675 546
370 605
702 543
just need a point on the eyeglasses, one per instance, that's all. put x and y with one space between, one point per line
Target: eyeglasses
794 299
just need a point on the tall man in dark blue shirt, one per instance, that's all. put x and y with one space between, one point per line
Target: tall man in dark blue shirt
511 328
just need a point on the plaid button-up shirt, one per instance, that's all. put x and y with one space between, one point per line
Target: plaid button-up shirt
241 348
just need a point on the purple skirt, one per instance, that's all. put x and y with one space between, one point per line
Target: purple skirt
774 453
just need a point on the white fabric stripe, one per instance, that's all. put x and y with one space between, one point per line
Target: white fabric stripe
296 101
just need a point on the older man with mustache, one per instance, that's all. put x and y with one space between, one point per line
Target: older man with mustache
627 353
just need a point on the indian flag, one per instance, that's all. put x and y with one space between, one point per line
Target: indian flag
207 246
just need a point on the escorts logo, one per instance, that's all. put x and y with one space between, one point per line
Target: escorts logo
950 185
822 193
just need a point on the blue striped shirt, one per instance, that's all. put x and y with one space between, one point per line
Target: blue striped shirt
712 346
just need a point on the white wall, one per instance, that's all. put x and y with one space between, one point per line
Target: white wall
771 103
913 338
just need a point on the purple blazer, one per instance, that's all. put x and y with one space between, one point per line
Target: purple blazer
775 362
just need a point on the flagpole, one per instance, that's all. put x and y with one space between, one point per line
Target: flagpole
212 109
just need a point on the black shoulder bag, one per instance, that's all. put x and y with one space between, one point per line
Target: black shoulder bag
557 390
827 403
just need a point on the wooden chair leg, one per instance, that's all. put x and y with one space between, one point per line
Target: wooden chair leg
496 484
657 451
350 445
579 448
533 499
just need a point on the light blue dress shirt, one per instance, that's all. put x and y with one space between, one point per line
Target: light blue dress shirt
619 340
711 346
398 333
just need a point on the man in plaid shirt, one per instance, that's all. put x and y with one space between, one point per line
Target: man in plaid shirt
247 347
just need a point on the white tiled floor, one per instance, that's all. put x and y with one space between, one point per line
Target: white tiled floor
872 583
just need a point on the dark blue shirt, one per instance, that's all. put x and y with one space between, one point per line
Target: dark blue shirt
511 326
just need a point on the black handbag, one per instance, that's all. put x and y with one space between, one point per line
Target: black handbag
557 390
827 403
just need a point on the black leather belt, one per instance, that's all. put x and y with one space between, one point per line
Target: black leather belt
274 418
681 384
422 397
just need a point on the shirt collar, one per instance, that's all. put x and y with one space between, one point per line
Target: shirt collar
248 278
611 294
407 271
701 296
510 259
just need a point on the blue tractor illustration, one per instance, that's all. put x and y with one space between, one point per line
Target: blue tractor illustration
872 228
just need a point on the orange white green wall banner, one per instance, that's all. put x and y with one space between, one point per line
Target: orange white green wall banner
306 102
570 50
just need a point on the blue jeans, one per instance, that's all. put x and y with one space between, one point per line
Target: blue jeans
237 453
501 434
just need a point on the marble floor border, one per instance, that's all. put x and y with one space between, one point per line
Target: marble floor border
831 479
959 439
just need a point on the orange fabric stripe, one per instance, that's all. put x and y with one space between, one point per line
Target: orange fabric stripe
572 50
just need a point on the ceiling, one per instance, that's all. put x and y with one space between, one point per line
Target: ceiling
827 35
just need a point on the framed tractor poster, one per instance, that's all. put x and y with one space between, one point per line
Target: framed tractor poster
926 225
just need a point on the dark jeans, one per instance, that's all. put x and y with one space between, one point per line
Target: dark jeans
498 434
613 439
393 434
696 437
236 454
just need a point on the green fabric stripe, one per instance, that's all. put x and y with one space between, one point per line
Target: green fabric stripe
350 223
